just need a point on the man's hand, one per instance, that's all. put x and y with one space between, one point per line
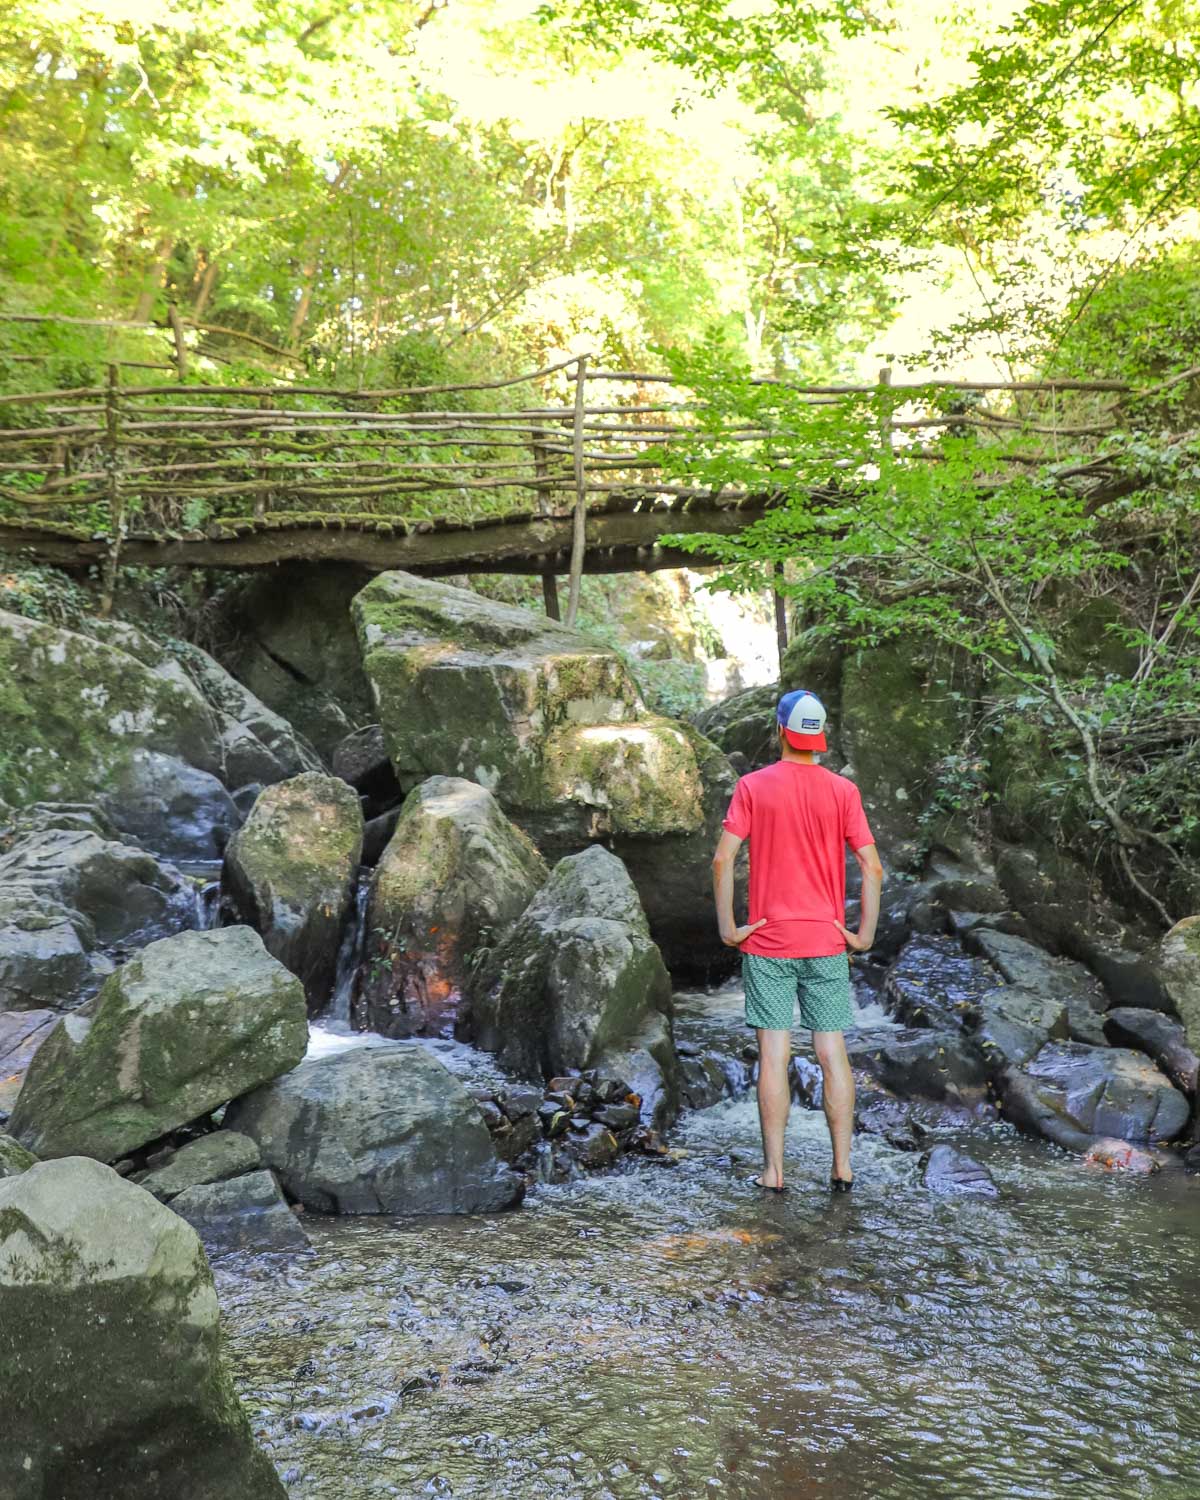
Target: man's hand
736 936
854 941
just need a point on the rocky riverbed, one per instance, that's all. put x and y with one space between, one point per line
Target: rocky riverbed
333 1015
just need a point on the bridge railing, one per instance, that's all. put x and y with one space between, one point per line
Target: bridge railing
190 461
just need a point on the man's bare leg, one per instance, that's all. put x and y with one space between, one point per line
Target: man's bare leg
838 1095
774 1100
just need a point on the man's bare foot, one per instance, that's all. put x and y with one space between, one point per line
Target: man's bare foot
772 1181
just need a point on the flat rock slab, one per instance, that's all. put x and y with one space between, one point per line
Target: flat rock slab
242 1213
384 1129
946 1170
916 1062
210 1158
934 983
187 1025
1071 1093
1012 1023
1160 1037
1024 963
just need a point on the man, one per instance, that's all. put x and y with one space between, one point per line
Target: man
799 819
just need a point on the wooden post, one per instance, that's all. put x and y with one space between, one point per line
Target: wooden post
116 503
885 422
781 628
577 532
541 472
181 353
264 472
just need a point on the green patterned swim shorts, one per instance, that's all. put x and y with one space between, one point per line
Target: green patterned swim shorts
774 985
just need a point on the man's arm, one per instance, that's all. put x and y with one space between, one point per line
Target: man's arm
872 884
723 862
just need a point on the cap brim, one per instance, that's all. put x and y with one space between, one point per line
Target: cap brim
805 741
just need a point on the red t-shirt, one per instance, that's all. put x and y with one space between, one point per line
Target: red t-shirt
799 819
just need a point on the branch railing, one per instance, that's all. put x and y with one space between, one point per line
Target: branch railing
193 461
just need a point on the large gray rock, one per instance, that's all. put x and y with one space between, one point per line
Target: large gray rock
75 709
188 1024
578 978
1072 1093
1176 964
552 723
241 1213
371 1130
1024 963
172 807
44 950
209 1158
290 872
454 878
934 983
111 1347
92 886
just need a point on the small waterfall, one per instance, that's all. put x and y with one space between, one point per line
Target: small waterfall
350 953
208 906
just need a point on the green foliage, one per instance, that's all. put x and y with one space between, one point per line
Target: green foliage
41 593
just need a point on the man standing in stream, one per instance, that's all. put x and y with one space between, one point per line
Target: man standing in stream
799 818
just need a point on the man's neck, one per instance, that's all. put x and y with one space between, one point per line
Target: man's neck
805 757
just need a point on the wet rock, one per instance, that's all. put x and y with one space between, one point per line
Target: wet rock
43 951
1176 964
453 880
188 1024
290 873
617 1116
702 1080
209 1158
21 1034
963 885
917 1062
1071 1093
107 1308
384 1129
578 983
1011 1024
946 1170
1024 963
649 1064
241 1213
934 983
377 834
93 890
75 709
1160 1037
594 1147
171 807
14 1159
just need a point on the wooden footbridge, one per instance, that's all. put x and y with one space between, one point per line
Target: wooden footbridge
212 476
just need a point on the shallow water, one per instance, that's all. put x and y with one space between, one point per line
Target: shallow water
666 1330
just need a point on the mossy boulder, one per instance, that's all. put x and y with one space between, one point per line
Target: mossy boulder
456 874
578 979
190 1023
469 687
73 710
14 1159
1176 962
289 873
115 1387
630 778
744 724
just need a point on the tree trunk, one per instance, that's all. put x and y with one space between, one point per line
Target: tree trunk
154 278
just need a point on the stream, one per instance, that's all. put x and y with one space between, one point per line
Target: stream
666 1330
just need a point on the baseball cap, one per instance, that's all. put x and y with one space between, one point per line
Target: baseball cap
801 715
